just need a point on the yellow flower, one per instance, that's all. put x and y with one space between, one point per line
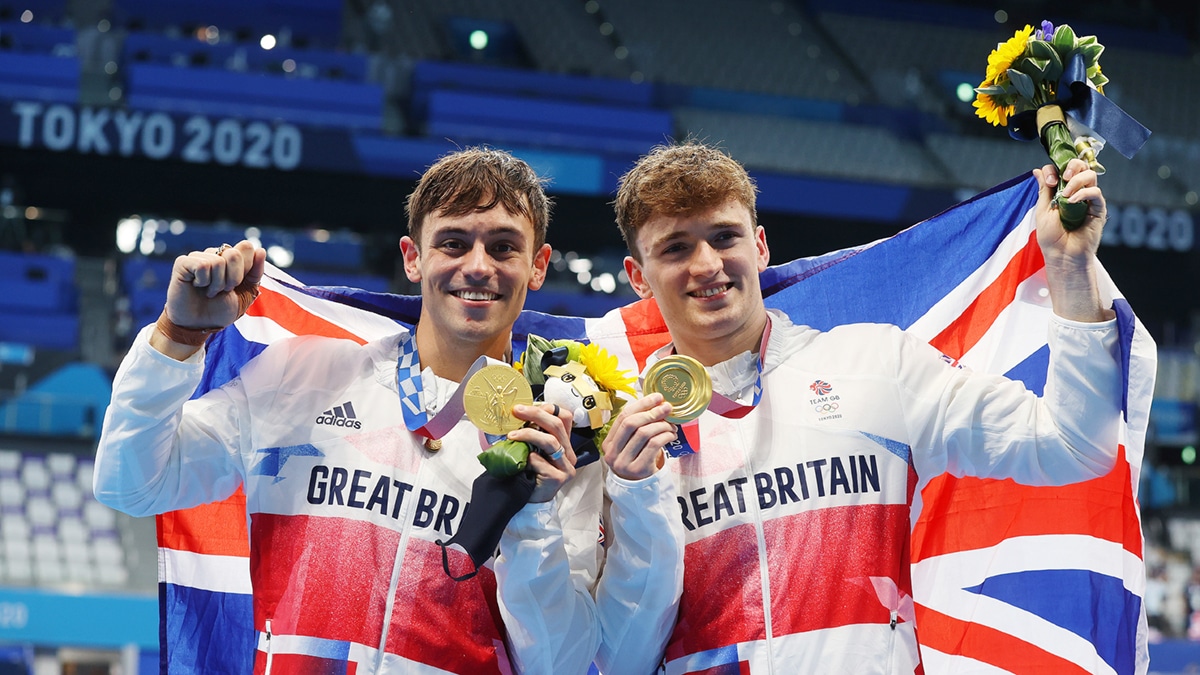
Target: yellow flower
987 108
1002 58
602 366
999 61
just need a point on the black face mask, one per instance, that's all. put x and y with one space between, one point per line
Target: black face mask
494 501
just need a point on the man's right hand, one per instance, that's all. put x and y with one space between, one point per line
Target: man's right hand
203 292
633 447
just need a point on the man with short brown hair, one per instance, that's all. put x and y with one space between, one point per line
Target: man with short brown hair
345 518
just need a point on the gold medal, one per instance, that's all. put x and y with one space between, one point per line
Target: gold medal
489 396
433 444
684 383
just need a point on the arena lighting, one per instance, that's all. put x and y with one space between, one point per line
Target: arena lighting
478 40
280 256
605 283
26 16
965 92
267 42
128 231
1188 454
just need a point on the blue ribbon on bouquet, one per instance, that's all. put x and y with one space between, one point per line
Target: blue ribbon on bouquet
1089 107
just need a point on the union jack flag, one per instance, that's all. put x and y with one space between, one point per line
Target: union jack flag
1006 578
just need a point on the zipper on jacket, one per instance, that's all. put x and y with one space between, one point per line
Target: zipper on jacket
267 670
891 654
763 572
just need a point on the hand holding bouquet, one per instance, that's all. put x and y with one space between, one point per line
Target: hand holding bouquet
1047 84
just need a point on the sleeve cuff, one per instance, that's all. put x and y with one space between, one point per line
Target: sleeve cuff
142 344
1107 324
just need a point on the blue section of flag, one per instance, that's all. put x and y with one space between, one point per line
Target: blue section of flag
225 355
714 658
916 265
1032 371
1126 323
334 650
275 458
1074 600
208 631
901 450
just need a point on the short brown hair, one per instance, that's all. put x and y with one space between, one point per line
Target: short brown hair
477 179
677 180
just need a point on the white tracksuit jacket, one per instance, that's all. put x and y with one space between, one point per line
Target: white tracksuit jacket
797 516
345 506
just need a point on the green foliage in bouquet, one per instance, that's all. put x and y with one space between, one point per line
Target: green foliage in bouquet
1023 74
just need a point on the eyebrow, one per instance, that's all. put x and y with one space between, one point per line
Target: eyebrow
495 231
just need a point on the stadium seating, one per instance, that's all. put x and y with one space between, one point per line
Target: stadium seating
254 96
38 301
52 530
311 22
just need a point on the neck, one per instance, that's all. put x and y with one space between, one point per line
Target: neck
450 359
748 338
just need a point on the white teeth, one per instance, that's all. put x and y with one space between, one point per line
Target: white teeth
709 292
477 295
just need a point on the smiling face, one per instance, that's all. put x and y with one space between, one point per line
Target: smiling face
475 270
702 268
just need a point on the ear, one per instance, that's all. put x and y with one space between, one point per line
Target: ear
541 262
637 279
412 259
764 253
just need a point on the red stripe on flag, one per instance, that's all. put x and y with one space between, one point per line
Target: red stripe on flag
961 514
218 528
645 329
291 316
954 636
812 552
960 336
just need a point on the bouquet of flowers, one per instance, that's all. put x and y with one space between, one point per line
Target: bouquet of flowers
1046 83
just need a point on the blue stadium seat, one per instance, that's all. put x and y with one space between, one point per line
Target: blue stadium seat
538 122
310 63
38 301
36 38
254 96
39 77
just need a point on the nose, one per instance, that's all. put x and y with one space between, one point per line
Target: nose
706 261
477 263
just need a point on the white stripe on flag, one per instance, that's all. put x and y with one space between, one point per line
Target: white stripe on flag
947 310
940 663
1010 341
219 573
261 329
941 581
362 323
